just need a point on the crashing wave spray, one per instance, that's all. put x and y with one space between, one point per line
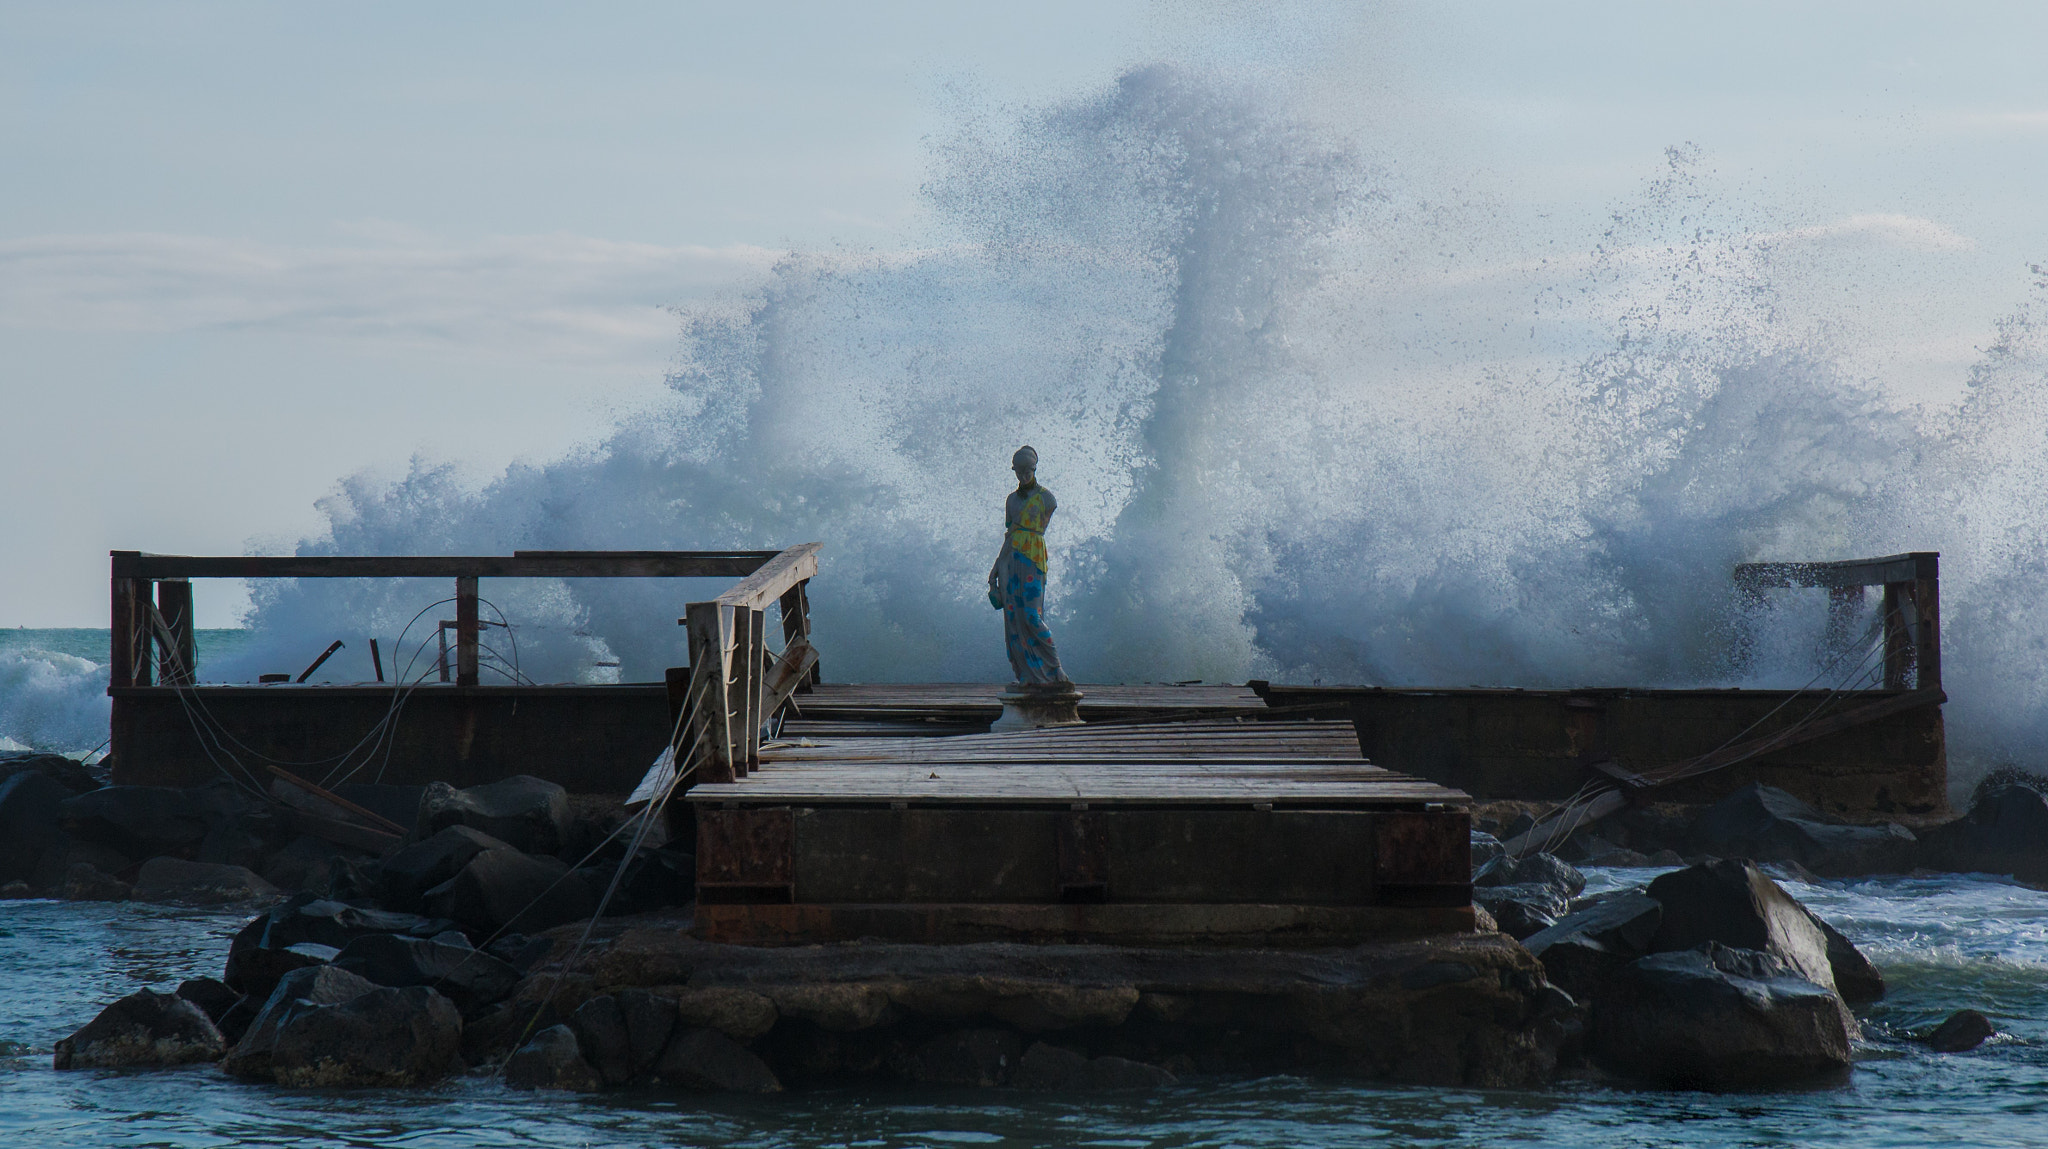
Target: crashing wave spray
1287 437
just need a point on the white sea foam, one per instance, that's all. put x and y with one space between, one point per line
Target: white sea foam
1304 421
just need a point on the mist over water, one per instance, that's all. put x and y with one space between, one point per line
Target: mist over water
1306 419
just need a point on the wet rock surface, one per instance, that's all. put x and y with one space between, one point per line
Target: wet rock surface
507 890
383 1037
145 1028
552 1060
446 963
2005 832
528 813
1766 824
1718 1018
1964 1030
177 881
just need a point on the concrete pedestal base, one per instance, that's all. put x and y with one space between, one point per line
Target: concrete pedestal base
1028 706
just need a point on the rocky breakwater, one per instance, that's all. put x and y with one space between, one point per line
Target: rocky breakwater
658 1005
368 973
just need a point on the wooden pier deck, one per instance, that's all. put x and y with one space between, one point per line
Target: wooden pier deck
1203 831
912 709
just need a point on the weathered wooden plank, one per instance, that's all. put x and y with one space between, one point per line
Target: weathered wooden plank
519 564
774 578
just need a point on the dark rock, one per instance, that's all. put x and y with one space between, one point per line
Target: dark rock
16 890
211 996
1766 824
1584 949
650 1022
66 852
1485 849
68 772
1855 978
600 1027
551 1061
2005 832
708 1059
406 876
530 813
307 863
1535 869
521 952
84 882
231 1012
1965 1029
972 1057
137 820
385 1037
1731 902
1050 1068
470 978
400 804
199 884
1717 1018
505 889
30 803
296 992
1519 911
1521 824
243 840
328 922
1618 856
144 1028
256 970
1665 857
653 880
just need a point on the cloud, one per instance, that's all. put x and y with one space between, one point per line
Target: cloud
561 296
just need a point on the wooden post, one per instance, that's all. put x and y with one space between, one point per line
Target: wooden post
174 603
710 631
1898 648
122 632
465 631
1927 632
796 623
754 648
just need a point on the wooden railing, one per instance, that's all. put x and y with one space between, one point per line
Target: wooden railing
152 594
1911 609
733 687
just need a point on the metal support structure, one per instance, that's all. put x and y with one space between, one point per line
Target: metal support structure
174 605
1911 606
465 631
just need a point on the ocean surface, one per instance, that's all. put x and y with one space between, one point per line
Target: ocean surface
1943 943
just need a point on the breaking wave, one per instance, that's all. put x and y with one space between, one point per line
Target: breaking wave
1303 422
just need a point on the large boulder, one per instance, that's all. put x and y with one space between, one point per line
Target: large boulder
2005 832
1965 1029
85 882
1717 1018
406 876
507 890
307 863
650 1022
530 813
551 1060
30 803
1533 870
708 1059
600 1027
1582 951
296 992
199 884
1732 903
1522 910
470 978
66 771
229 1011
385 1037
1856 979
1766 824
141 821
65 852
144 1028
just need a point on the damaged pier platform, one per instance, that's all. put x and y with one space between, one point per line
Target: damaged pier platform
1211 832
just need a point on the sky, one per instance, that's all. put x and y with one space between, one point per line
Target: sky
249 249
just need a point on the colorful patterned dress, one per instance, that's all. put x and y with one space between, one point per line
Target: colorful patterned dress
1019 584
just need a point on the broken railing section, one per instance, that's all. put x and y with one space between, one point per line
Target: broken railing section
152 594
1910 614
735 683
1910 609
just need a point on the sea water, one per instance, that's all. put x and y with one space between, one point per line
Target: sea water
1942 943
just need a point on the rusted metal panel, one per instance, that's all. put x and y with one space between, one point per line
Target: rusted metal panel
747 852
1084 859
1422 857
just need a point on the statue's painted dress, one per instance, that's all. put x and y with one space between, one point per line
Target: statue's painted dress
1020 583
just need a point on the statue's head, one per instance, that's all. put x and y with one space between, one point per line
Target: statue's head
1025 463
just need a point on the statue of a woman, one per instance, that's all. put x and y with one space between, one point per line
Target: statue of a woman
1016 582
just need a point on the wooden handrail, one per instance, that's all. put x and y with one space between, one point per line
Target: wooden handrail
519 564
773 578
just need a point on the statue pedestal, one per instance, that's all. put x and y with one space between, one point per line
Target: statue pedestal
1028 706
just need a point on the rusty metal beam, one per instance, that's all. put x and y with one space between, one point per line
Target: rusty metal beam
519 564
